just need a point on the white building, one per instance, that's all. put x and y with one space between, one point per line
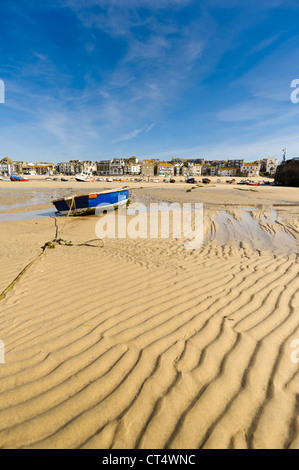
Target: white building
29 169
6 167
251 169
269 165
194 169
228 172
132 169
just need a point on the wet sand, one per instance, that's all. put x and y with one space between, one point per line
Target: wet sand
144 344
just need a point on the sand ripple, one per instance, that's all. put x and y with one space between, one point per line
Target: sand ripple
146 345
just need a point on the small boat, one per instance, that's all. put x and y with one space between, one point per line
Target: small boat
91 203
85 176
17 178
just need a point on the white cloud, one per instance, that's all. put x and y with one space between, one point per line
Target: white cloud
133 134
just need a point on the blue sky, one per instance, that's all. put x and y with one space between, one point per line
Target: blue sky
97 79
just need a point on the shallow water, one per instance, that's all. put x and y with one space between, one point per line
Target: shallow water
18 198
23 197
30 215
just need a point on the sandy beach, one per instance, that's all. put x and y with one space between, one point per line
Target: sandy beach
142 343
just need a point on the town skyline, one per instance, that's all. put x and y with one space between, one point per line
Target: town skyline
146 168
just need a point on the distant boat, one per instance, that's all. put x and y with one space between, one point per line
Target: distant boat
88 203
85 176
17 178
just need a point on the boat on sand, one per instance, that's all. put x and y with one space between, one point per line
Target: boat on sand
17 178
92 203
85 176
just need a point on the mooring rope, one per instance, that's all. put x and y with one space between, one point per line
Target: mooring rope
10 286
48 245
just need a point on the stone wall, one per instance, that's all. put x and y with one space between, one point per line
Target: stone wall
287 174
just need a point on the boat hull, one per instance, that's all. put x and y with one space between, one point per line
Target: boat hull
94 203
84 180
17 178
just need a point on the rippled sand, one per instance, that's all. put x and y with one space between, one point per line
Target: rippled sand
144 344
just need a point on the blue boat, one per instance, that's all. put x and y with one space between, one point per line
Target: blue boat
92 203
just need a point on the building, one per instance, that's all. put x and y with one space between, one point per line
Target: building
28 169
199 161
148 168
251 169
211 170
235 164
40 168
228 171
117 167
6 166
132 168
211 167
164 169
103 167
179 168
113 167
132 160
66 168
194 169
17 166
269 166
44 168
88 165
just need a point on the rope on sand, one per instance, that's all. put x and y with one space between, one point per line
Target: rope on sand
48 245
8 288
60 241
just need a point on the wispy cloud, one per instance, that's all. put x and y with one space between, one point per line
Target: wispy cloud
134 133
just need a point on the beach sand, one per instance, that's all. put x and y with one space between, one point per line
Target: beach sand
143 344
